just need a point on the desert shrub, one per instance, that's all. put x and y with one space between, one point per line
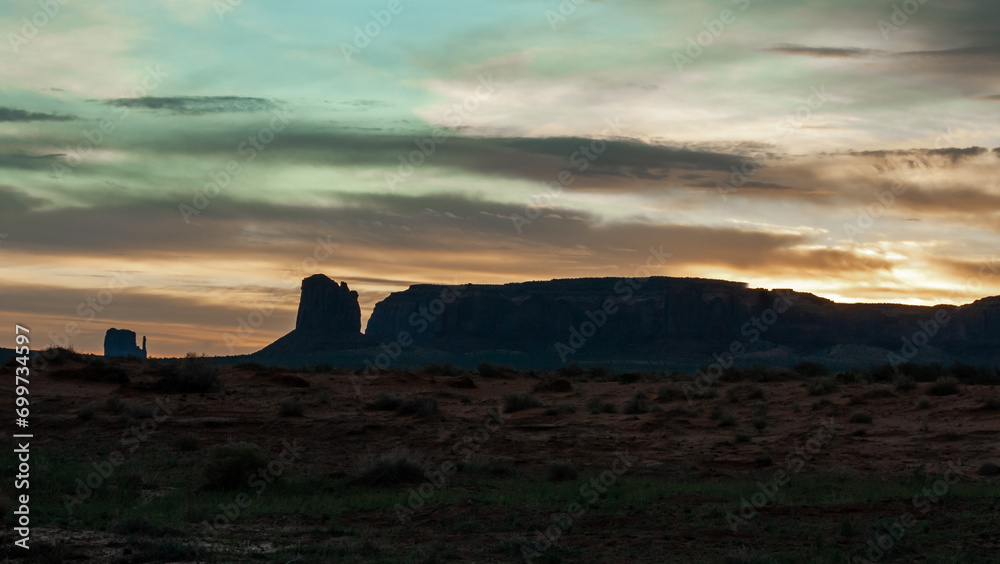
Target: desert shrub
667 393
519 402
991 403
861 417
760 409
190 375
115 404
733 395
561 470
969 374
60 355
705 393
573 370
629 378
905 382
989 469
561 408
386 401
880 391
600 373
488 465
636 404
230 465
290 407
141 411
421 407
487 370
442 369
388 468
86 413
810 369
756 393
596 405
187 442
923 403
726 419
820 404
759 423
922 372
742 437
821 386
944 386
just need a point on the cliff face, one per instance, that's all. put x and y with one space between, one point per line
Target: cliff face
121 342
329 319
659 317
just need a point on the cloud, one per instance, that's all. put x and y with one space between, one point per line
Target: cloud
991 98
196 105
14 201
823 52
13 114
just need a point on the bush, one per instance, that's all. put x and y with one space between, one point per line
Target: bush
944 386
86 413
491 466
115 404
186 442
487 370
810 369
561 408
667 393
760 410
230 465
561 470
599 373
291 407
759 423
989 469
442 369
861 417
905 382
992 403
970 374
520 402
726 419
756 393
394 467
629 378
706 393
570 371
923 403
821 386
742 437
386 401
421 407
142 411
595 405
190 375
636 405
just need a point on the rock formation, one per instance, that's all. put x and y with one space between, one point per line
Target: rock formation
121 342
662 318
329 319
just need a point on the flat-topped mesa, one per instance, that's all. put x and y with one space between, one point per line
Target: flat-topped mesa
329 319
122 343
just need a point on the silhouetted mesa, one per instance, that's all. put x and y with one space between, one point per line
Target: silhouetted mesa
329 319
121 342
661 318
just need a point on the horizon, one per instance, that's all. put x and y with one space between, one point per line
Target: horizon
210 153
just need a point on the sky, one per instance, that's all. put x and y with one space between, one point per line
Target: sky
176 167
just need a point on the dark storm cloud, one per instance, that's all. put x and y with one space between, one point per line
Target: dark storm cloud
927 157
825 52
13 201
13 114
196 105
